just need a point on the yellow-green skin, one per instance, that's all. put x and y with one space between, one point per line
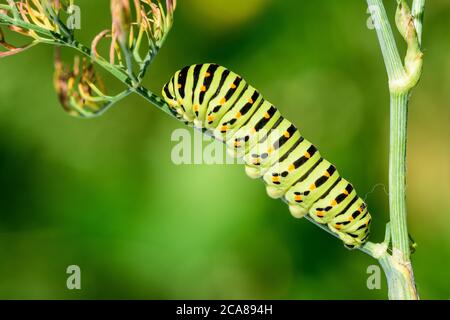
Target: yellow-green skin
223 105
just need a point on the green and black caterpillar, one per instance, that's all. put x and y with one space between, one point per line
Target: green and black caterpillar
221 104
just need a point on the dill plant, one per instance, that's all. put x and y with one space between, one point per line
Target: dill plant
139 29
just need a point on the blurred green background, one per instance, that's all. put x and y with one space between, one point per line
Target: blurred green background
103 194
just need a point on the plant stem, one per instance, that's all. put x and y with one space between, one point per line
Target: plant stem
398 268
397 175
400 276
402 79
122 77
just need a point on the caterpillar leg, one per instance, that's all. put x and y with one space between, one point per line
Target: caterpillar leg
297 211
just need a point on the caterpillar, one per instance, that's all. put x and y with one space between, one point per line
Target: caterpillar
223 105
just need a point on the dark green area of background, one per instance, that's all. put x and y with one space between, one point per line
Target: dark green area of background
103 194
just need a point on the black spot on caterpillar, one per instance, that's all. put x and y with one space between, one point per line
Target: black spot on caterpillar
223 105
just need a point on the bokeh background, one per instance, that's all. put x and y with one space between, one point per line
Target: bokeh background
103 194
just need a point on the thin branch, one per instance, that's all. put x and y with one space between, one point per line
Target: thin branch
394 65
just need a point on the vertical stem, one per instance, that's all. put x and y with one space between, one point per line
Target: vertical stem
398 267
397 175
400 277
402 79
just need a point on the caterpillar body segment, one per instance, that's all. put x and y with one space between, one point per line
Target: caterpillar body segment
221 104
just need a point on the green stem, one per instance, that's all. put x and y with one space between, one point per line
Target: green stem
122 77
399 277
119 74
402 79
397 175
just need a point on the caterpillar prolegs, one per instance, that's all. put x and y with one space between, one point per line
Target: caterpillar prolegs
223 105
